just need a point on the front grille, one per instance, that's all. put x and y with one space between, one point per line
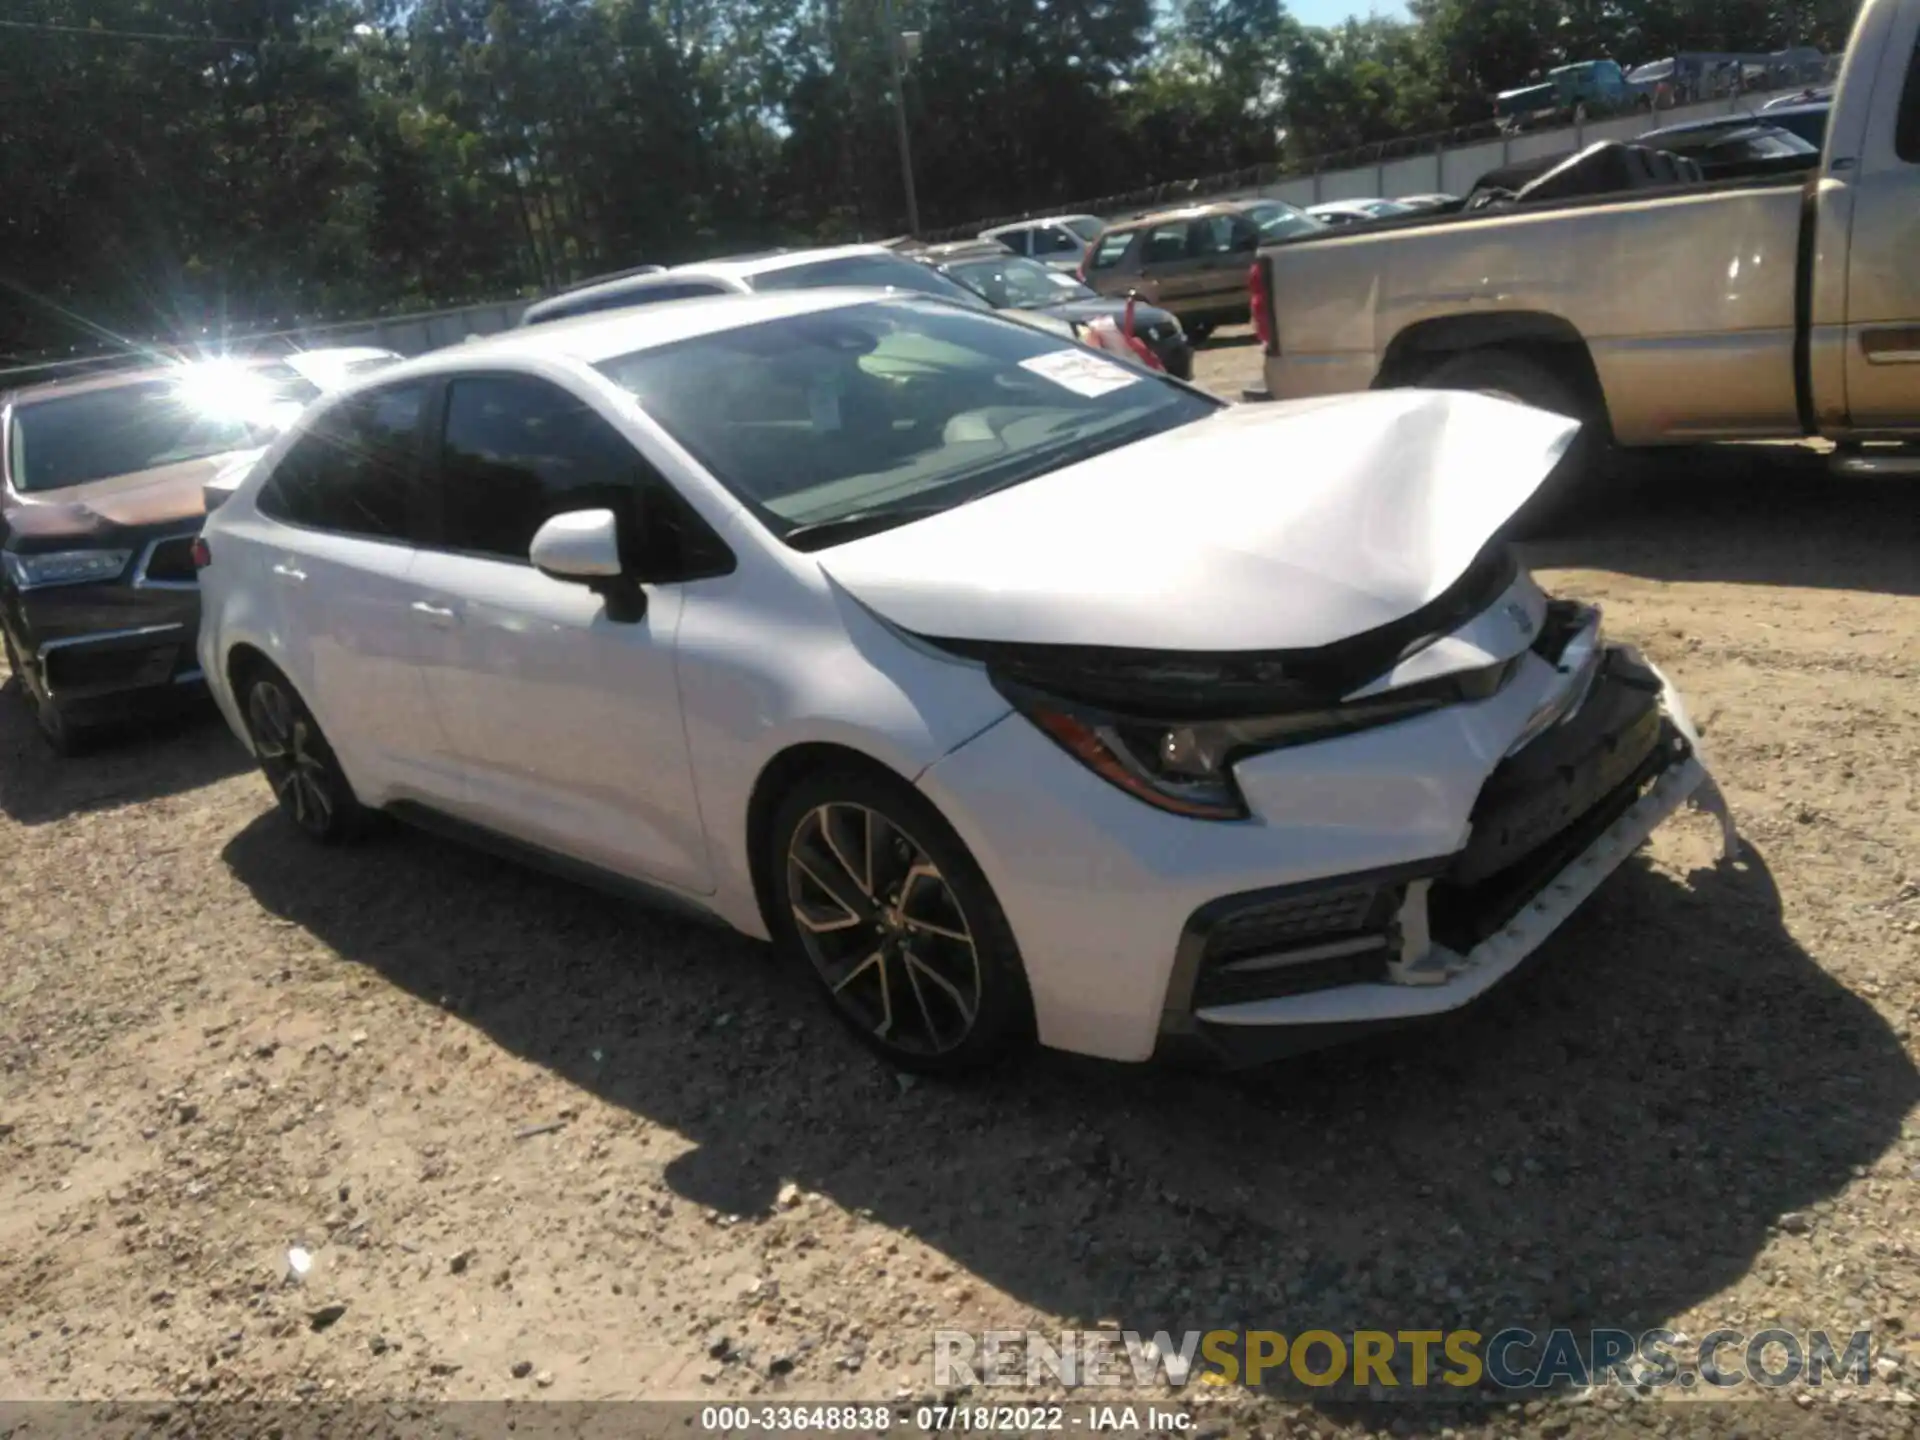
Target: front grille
78 669
171 561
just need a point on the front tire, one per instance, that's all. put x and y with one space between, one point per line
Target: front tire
308 783
1199 333
876 894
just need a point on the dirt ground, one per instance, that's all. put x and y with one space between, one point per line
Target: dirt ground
1699 1109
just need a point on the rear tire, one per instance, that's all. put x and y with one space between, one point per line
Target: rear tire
876 895
307 781
1522 377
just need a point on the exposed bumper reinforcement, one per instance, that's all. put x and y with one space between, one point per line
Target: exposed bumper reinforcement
1471 975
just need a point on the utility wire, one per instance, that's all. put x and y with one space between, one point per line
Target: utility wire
175 36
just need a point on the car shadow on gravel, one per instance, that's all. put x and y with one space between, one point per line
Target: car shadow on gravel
1609 1141
1752 515
135 761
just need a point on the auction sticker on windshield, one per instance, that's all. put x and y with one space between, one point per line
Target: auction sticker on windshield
1081 373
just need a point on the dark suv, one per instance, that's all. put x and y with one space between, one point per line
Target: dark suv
100 504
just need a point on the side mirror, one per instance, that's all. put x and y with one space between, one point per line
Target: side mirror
583 547
1247 242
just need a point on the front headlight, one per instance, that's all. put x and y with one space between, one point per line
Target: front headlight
1186 766
65 567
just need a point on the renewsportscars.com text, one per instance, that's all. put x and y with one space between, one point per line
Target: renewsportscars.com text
1427 1361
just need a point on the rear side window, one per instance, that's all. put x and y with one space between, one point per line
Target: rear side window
1212 235
1113 245
356 470
1055 241
1906 129
1018 241
1166 243
516 451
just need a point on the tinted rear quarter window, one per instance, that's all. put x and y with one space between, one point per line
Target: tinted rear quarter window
356 470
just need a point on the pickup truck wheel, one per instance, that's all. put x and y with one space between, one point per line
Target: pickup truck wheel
1512 375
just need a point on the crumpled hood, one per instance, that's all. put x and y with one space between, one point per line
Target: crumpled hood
1281 526
124 502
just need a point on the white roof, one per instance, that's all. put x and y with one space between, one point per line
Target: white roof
1034 220
598 336
767 264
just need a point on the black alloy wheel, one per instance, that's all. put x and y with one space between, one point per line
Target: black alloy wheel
899 926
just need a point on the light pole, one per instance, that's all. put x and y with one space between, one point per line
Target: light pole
897 42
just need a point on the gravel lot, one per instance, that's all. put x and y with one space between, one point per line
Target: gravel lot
1698 1110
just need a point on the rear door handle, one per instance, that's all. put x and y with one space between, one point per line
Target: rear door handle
289 572
438 614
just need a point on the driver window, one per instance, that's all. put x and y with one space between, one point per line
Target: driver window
515 452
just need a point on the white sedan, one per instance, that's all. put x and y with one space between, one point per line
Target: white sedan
1018 692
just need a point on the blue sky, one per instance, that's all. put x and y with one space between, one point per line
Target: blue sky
1332 12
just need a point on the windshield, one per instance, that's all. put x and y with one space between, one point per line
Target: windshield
1383 208
879 272
1087 227
1013 282
1277 220
99 434
892 410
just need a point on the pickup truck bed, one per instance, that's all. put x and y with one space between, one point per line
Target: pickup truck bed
1685 298
1659 311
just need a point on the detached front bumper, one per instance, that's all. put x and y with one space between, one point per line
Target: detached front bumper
1352 954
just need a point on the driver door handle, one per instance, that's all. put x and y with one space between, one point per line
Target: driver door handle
442 615
289 572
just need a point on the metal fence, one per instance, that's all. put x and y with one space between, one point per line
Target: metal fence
1446 161
411 334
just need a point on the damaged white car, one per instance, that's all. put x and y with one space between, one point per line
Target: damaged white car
1019 693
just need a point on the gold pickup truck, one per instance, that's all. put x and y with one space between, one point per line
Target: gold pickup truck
1620 289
